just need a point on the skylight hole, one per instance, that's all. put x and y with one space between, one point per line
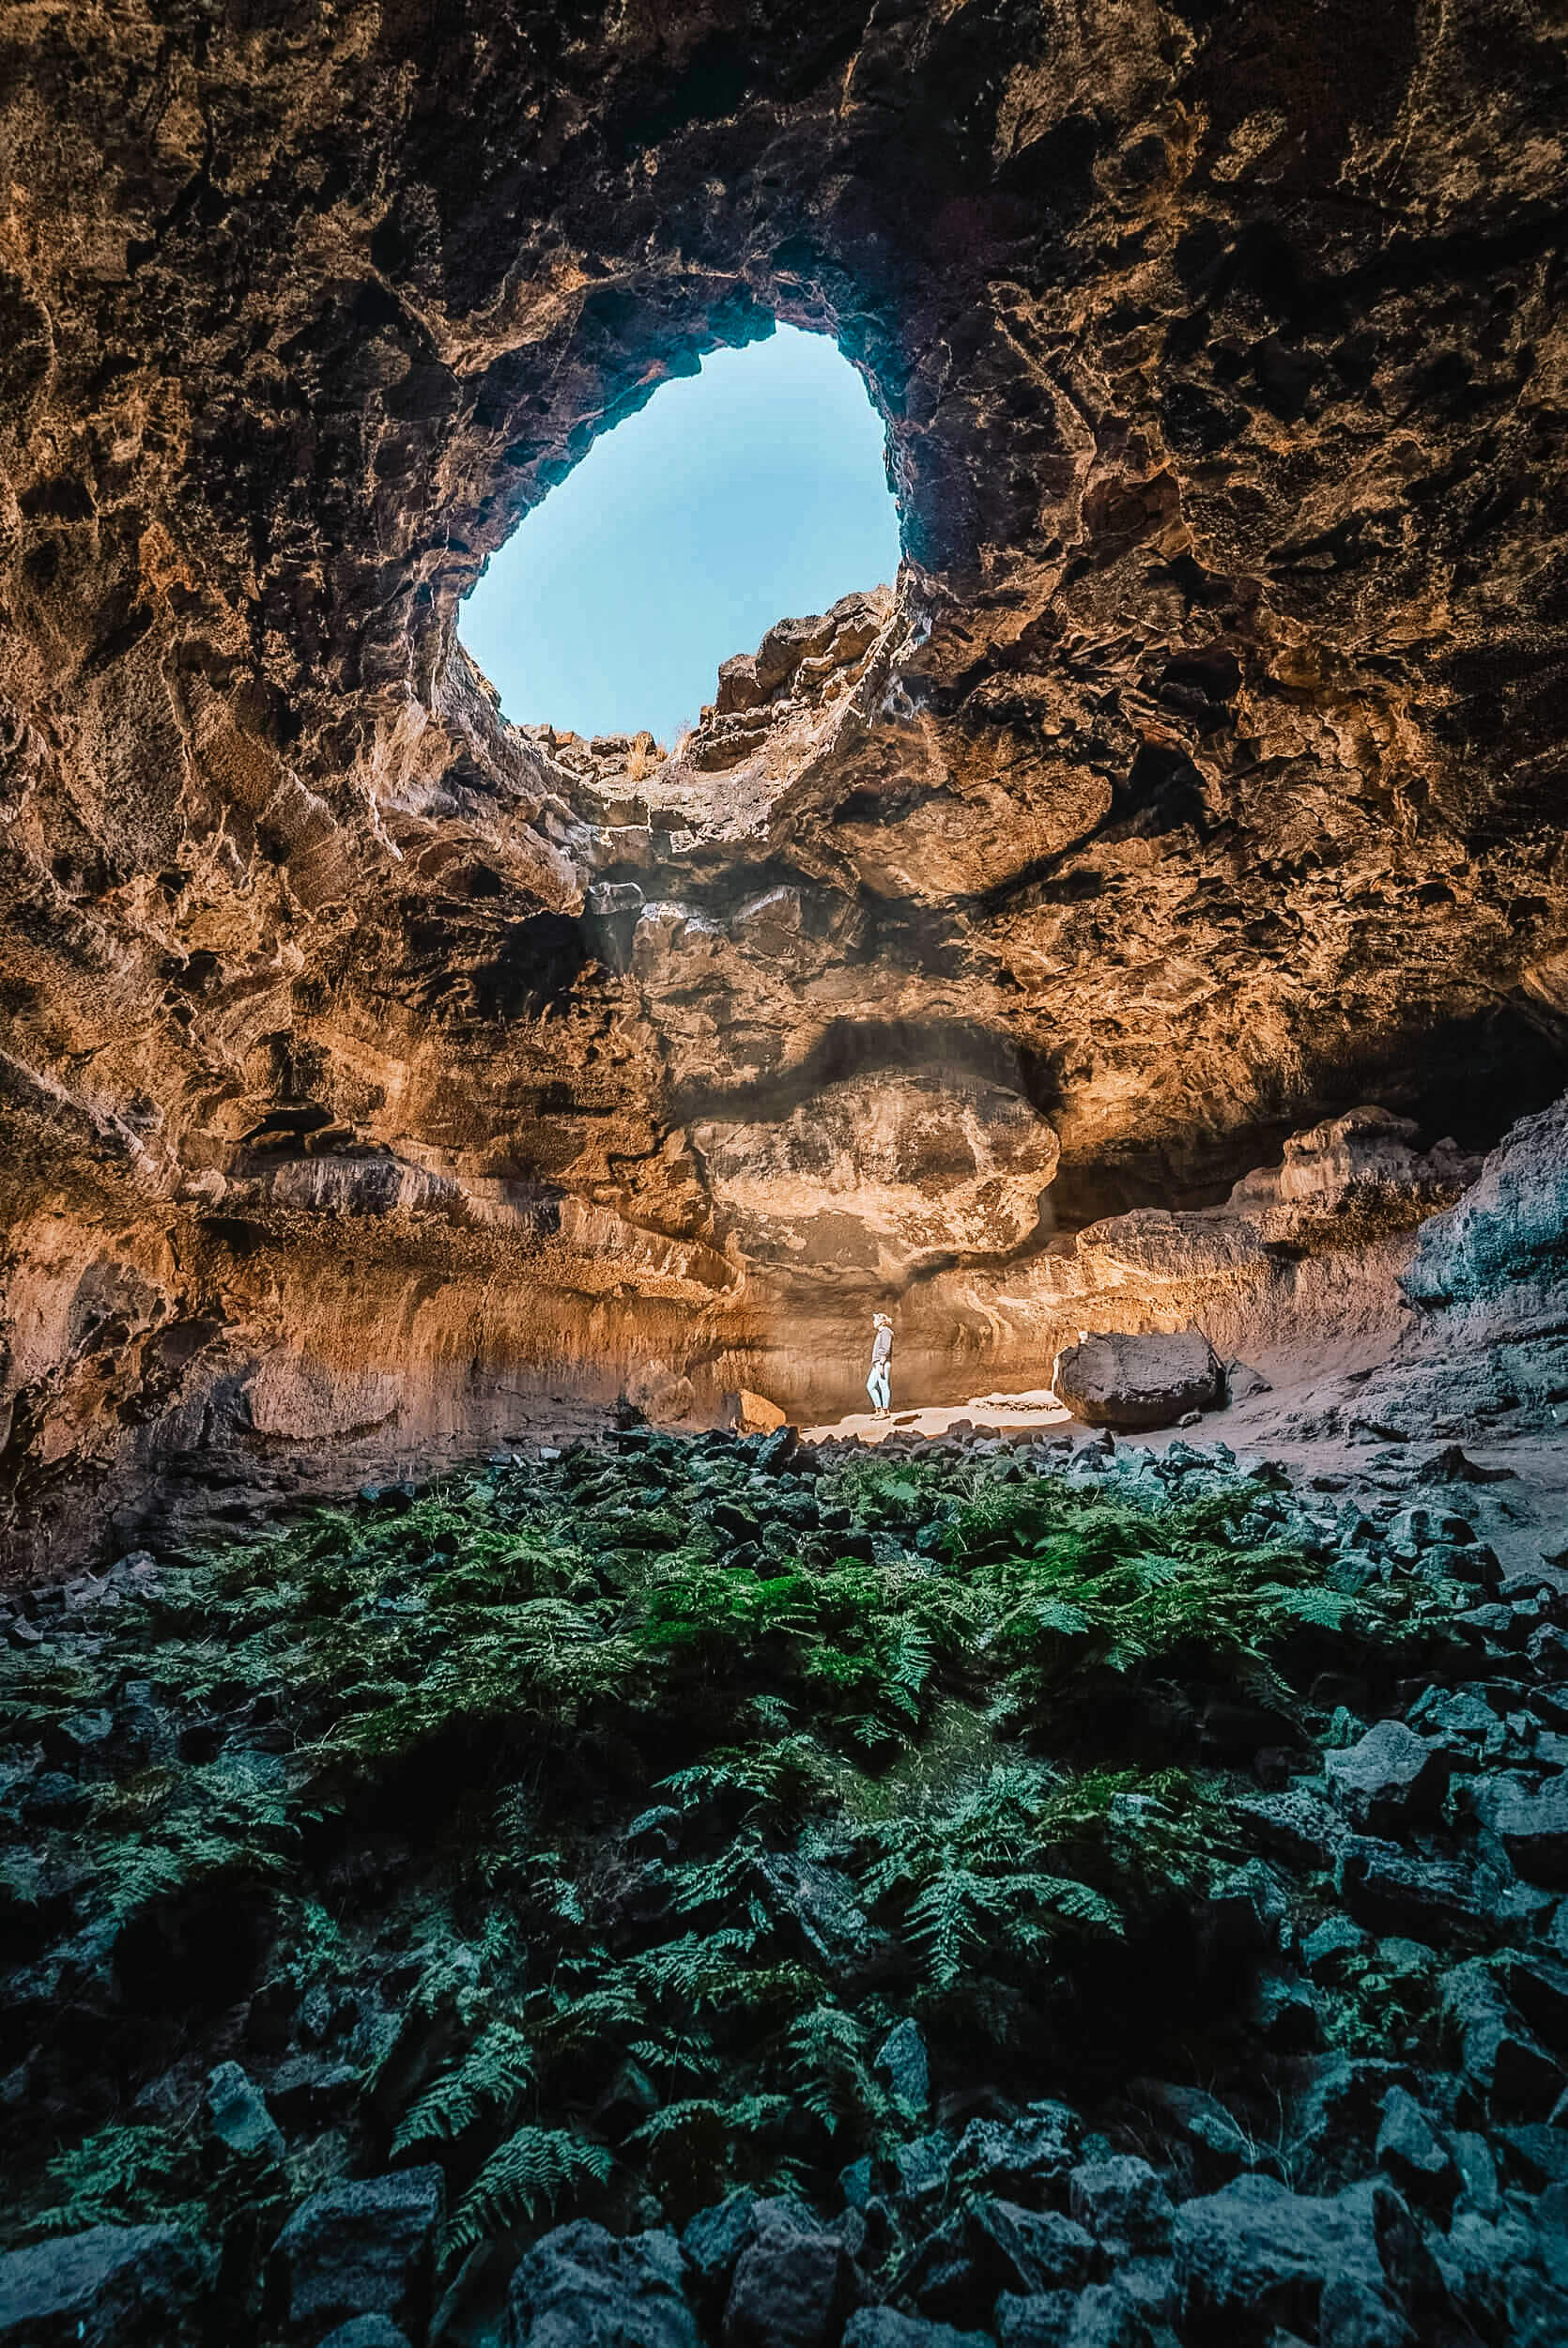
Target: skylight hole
752 489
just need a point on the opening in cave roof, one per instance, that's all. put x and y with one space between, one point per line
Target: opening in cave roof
753 489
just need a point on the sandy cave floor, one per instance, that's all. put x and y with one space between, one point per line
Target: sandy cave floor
1522 1514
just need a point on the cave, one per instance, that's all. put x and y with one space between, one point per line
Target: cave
529 1812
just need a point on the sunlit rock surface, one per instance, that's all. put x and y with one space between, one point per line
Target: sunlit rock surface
372 1067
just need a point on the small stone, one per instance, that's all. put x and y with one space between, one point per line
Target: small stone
238 2115
901 2060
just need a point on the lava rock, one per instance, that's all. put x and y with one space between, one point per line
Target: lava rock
238 2115
364 2248
995 2246
1027 2161
1508 2069
884 2328
1534 1829
1133 1381
1388 1776
1042 2319
712 2242
367 2331
1256 2256
1123 2204
1409 2148
582 2287
793 2284
903 2062
1424 1899
112 2287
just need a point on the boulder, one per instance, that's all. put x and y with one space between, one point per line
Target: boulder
1507 2067
885 2327
1123 2204
364 2248
712 2244
1041 2319
237 2116
1533 1828
112 2287
1254 2257
582 2287
1129 1381
901 2061
751 1414
367 2331
1409 2148
1432 1900
1027 2161
1388 1775
792 2285
995 2246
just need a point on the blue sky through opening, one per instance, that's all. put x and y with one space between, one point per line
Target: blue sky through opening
752 491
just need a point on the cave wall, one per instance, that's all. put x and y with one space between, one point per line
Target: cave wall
1201 778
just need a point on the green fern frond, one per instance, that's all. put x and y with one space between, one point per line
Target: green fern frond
530 2171
493 2076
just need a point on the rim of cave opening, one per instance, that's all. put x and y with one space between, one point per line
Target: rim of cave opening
751 483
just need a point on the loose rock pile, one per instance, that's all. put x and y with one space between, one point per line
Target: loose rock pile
722 1891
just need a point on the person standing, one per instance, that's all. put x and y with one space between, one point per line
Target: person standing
882 1355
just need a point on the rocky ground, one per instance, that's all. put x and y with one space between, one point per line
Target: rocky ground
1064 1893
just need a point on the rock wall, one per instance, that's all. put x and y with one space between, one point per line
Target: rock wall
1199 779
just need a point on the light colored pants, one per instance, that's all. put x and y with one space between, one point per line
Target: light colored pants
876 1387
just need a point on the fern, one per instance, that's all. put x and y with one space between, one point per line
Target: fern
829 2075
119 2175
530 2171
747 2115
492 2076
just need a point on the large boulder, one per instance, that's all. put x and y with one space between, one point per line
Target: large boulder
1254 2257
1150 1380
581 2287
792 2286
365 2249
112 2287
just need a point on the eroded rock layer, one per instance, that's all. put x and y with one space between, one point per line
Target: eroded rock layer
372 1070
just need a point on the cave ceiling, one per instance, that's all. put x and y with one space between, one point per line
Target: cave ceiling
1203 775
